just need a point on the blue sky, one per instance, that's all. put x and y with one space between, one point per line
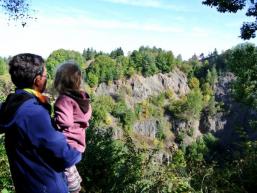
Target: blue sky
185 27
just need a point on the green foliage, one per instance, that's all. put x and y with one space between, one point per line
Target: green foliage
197 166
102 106
109 165
169 94
135 60
189 107
92 79
18 10
194 103
180 137
248 29
190 132
194 83
160 133
157 100
216 168
211 76
176 108
146 61
5 175
149 61
165 61
212 107
148 65
116 53
122 67
102 69
3 66
125 115
6 87
89 54
185 67
59 56
207 89
243 63
151 107
119 166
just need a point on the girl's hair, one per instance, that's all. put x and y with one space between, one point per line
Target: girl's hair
68 77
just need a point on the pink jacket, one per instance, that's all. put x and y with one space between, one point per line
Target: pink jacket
72 119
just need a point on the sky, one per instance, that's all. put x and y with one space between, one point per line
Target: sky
184 27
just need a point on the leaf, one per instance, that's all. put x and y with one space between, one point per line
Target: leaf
4 191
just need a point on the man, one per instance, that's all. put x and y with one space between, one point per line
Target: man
37 153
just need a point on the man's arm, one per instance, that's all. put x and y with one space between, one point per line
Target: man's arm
50 143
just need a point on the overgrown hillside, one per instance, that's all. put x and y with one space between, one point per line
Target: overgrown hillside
161 124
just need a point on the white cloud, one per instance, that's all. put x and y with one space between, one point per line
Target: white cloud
48 34
200 32
150 3
82 22
79 31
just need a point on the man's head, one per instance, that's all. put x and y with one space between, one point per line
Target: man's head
28 71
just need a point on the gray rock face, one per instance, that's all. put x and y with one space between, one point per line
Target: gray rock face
139 88
222 88
223 124
147 128
234 116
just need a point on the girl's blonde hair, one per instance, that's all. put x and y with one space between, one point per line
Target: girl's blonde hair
68 77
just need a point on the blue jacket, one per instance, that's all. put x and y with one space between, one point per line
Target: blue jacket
37 153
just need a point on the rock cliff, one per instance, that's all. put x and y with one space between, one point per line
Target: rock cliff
223 124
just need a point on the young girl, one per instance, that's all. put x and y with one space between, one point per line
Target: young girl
72 112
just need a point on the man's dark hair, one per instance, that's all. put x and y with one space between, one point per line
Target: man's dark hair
23 69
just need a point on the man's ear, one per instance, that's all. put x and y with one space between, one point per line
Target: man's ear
36 81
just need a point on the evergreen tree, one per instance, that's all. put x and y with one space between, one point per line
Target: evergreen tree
116 53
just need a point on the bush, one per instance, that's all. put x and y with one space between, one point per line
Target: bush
119 166
102 106
125 115
109 165
5 175
194 83
3 67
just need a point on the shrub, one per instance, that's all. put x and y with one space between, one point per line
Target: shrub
3 67
194 83
125 115
5 175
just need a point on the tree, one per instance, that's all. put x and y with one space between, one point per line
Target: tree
148 65
243 63
248 29
3 66
116 53
59 56
103 69
165 61
89 53
179 59
17 10
136 60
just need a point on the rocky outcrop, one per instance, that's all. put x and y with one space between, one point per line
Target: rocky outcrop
234 116
147 128
139 88
223 124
